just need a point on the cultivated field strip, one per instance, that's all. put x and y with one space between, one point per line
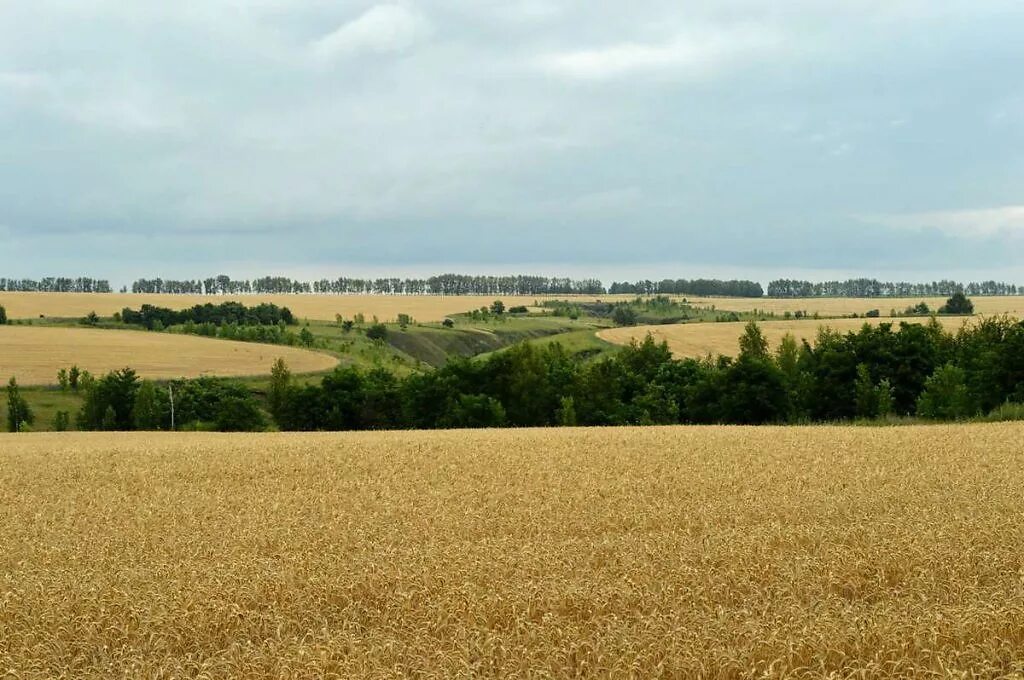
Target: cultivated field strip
34 354
719 552
989 305
317 307
701 339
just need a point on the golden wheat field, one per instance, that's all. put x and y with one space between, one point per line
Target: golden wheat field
987 305
682 552
701 339
318 307
34 354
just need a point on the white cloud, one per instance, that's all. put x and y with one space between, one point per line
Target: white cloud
22 81
696 53
93 100
980 223
381 29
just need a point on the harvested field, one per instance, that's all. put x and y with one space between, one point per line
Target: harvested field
318 307
987 305
721 552
34 354
701 339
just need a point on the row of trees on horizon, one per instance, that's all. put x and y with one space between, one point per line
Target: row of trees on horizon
784 288
461 284
55 284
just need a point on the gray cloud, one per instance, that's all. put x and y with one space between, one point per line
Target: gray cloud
287 134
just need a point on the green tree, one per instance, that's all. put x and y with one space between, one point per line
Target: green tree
147 412
498 307
404 320
753 392
19 414
238 413
85 380
109 421
753 344
113 393
567 412
957 304
787 358
656 406
62 379
474 410
885 399
61 421
3 315
280 383
866 393
73 375
945 395
306 337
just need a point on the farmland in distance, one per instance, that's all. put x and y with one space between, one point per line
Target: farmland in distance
317 307
34 354
825 306
701 339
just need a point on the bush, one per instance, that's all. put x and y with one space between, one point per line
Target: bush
1009 411
623 315
377 331
477 410
518 309
957 304
872 314
945 395
3 315
110 402
61 421
238 413
222 404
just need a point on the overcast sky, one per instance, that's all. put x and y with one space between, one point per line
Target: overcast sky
645 138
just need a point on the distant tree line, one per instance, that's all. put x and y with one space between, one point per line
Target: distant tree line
445 284
459 284
236 313
784 288
55 284
702 287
